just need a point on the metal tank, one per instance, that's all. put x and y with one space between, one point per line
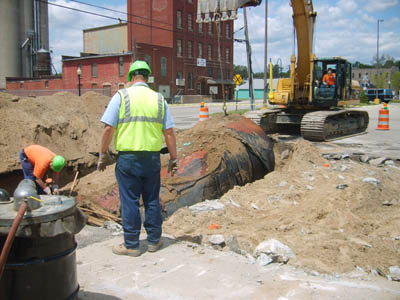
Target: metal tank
41 263
24 30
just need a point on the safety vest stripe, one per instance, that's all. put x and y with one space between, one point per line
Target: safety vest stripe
128 118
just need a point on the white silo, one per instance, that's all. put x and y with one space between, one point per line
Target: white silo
24 30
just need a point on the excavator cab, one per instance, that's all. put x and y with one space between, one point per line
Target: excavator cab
331 82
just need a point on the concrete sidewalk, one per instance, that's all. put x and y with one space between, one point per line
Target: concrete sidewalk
182 270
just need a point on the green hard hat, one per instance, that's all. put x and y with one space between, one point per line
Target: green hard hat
58 163
138 65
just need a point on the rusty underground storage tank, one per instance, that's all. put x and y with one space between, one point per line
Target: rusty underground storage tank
41 263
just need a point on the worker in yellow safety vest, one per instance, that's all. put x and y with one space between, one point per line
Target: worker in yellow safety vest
140 118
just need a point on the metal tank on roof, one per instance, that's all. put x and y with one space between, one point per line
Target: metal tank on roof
24 30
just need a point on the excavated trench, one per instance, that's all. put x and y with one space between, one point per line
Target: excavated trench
221 155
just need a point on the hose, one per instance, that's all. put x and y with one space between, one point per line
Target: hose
11 236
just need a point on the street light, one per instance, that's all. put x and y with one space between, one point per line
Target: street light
377 60
79 73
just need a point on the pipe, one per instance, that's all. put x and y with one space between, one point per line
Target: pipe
11 236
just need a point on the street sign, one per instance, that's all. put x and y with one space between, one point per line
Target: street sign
201 62
237 79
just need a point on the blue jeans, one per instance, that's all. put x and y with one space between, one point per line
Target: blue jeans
138 174
27 169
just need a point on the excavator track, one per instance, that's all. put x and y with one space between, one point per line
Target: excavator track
322 125
330 125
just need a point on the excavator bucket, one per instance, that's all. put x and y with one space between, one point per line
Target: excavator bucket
221 10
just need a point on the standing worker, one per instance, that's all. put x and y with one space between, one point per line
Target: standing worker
35 162
140 117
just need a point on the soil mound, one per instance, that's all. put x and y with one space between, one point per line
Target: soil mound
325 211
65 123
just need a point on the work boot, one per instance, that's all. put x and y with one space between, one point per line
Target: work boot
122 250
155 247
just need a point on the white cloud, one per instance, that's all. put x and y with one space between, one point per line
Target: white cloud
66 26
381 5
344 28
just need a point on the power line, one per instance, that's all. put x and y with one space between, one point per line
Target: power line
120 12
112 18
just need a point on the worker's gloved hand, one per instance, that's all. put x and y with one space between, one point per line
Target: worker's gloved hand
47 190
101 164
55 190
173 166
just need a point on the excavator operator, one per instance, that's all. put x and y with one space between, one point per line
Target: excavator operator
329 78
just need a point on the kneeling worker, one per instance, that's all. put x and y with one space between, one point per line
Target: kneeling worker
35 162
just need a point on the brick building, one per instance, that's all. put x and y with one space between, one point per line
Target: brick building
182 54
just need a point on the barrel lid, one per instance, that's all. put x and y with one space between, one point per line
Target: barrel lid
52 207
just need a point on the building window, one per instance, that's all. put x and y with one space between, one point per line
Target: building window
147 58
209 50
46 84
201 27
190 23
94 69
210 72
121 66
190 80
21 85
190 1
228 30
359 75
163 69
179 75
107 90
179 48
198 88
210 28
200 50
94 86
179 19
227 54
227 74
219 73
190 49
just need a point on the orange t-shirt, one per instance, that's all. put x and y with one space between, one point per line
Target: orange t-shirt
329 79
40 157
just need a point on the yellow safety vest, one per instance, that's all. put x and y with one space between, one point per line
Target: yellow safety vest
140 123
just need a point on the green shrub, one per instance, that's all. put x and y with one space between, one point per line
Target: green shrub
364 98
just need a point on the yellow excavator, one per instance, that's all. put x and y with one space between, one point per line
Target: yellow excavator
305 100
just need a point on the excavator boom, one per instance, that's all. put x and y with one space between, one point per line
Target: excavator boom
309 105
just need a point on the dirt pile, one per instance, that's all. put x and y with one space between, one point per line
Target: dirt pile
332 214
67 124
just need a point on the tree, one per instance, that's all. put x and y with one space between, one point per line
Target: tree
383 60
395 82
360 65
242 70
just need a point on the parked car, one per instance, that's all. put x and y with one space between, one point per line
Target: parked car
384 95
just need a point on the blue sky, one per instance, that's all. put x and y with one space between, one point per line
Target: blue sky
346 28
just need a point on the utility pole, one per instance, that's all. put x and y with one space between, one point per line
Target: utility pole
249 70
377 60
266 54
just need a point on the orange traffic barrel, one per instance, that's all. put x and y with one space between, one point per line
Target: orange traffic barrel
383 120
203 112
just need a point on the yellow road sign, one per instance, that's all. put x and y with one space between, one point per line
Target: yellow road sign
237 79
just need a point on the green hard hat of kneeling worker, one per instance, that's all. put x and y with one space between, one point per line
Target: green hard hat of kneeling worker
139 67
58 163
